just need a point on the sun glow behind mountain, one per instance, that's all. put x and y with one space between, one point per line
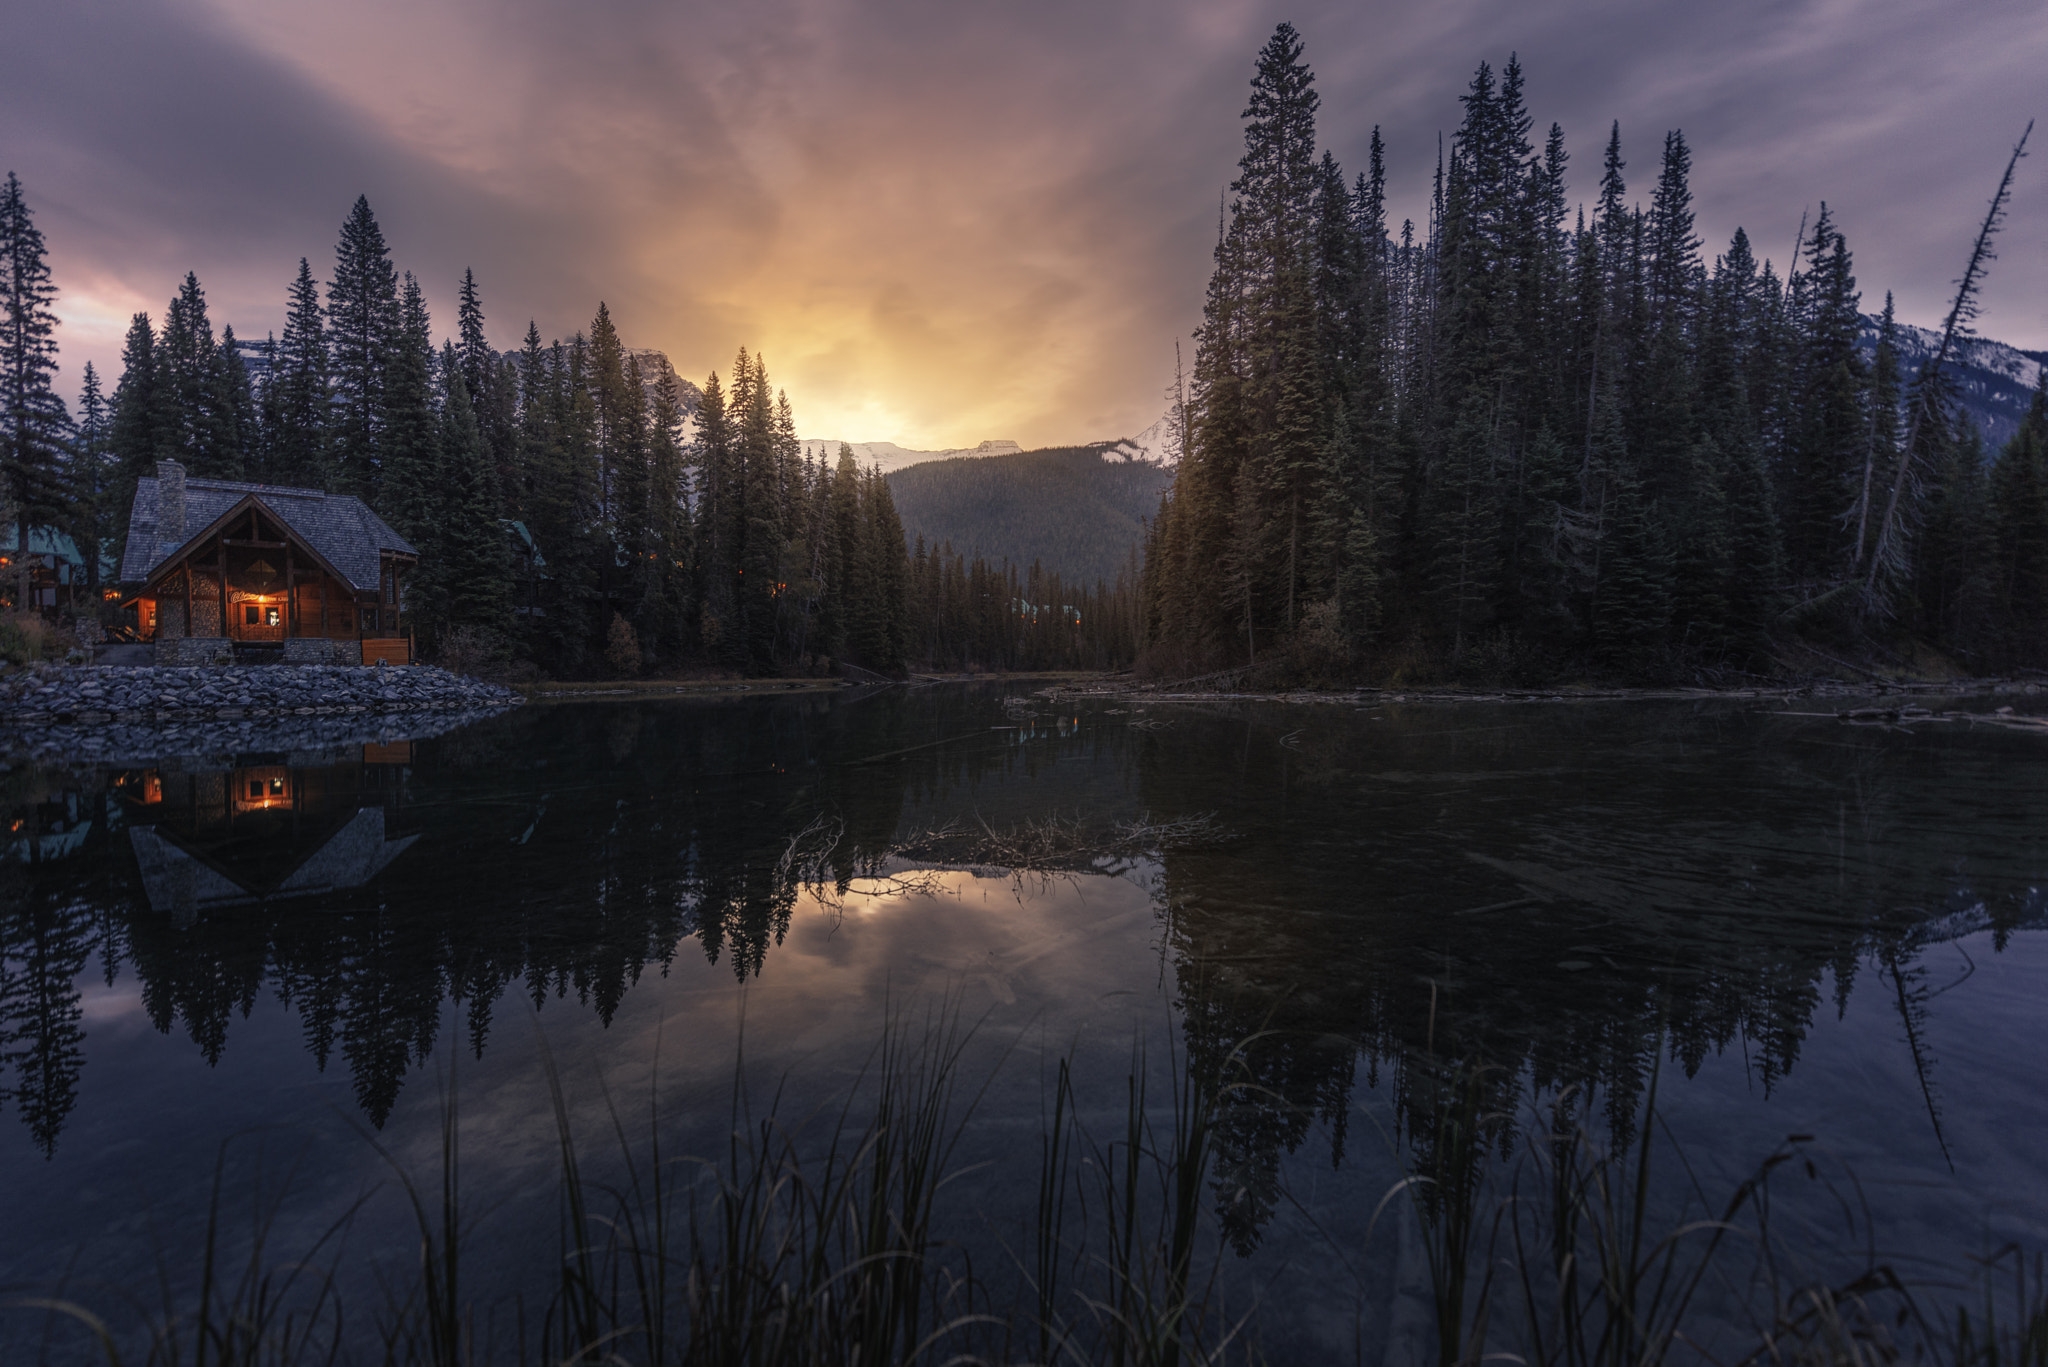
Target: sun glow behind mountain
938 225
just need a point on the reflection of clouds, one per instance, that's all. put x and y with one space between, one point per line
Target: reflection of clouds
99 1004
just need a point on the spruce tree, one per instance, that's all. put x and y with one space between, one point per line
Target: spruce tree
890 571
34 426
608 408
1958 560
2019 513
472 574
197 398
492 384
296 402
409 492
364 328
671 545
633 530
132 434
93 481
237 399
1827 440
716 571
759 523
849 593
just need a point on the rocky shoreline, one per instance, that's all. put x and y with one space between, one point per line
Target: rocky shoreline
90 696
204 745
1823 689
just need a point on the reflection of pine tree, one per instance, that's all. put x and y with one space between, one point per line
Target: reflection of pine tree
391 1009
45 945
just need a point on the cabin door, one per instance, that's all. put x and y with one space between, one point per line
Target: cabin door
260 621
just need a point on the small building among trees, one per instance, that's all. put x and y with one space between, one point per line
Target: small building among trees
252 573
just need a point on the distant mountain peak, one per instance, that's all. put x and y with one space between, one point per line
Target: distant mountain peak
1993 383
1157 445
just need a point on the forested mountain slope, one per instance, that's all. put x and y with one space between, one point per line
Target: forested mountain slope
1075 510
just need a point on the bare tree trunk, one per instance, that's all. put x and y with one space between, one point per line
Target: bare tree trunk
1889 549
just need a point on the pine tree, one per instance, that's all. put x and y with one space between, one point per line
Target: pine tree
492 385
1959 557
2019 514
1264 399
472 576
671 543
296 403
409 493
237 400
132 434
762 535
609 400
196 399
34 426
93 481
364 328
576 621
632 530
717 543
1828 440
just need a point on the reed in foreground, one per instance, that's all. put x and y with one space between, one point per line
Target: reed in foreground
836 1237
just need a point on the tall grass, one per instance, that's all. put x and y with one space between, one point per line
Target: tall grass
830 1238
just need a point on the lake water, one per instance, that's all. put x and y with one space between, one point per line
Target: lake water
1375 917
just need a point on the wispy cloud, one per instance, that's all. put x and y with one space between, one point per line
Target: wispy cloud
941 221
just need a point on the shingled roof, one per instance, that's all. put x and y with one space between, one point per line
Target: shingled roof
338 526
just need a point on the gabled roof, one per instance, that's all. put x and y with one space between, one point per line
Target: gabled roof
339 527
42 541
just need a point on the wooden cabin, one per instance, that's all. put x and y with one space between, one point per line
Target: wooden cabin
258 572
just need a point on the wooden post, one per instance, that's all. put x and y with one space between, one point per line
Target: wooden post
291 594
188 598
221 547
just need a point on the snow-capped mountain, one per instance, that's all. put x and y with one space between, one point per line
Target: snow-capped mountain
1993 382
1158 444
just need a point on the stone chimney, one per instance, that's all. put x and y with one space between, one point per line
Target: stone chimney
170 503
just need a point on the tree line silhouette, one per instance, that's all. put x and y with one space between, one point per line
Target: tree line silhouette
1523 440
577 504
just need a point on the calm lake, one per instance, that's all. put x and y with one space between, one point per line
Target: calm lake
292 965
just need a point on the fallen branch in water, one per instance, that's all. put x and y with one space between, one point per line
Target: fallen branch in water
1058 844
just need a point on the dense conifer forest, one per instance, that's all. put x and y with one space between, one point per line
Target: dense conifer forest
1525 441
575 512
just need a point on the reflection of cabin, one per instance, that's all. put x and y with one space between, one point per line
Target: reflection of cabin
261 832
256 571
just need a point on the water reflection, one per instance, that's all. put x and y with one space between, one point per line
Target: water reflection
1449 905
1474 904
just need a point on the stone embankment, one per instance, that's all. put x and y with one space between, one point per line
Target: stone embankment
87 696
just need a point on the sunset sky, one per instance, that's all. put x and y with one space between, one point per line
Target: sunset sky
941 222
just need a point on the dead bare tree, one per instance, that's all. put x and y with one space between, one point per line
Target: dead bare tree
1887 558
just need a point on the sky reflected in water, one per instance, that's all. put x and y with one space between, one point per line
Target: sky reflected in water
1789 924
